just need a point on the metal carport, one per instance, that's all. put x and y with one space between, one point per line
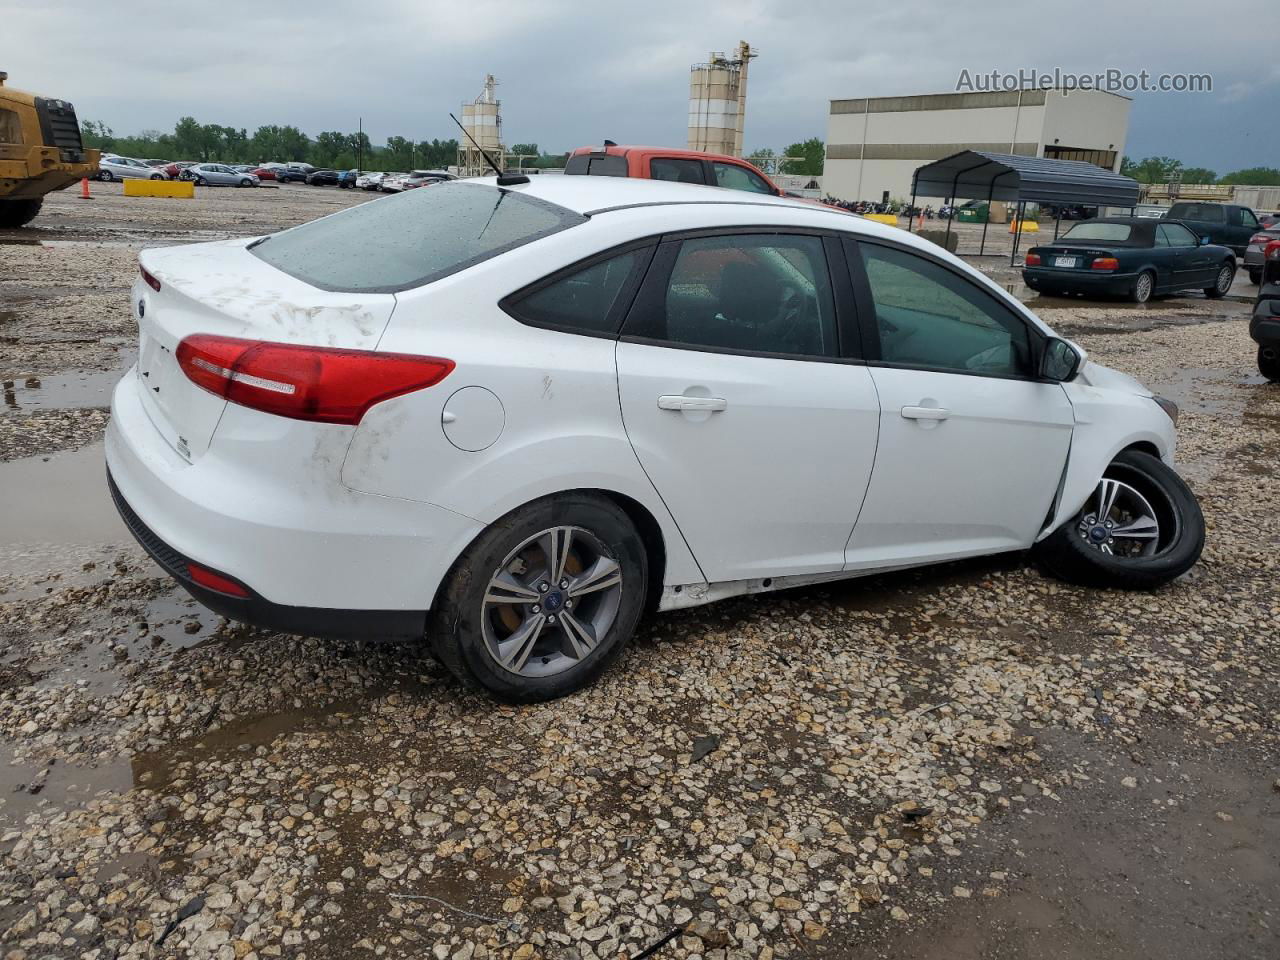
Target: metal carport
978 175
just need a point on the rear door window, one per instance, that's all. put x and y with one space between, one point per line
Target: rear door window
596 165
585 300
1177 235
412 239
1208 212
677 170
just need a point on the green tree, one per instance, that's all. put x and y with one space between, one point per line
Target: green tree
398 155
524 150
812 151
97 135
1150 169
1198 175
1254 177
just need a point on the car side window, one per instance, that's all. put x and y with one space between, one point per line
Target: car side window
1178 235
584 300
1247 219
749 293
934 319
1162 236
733 177
676 169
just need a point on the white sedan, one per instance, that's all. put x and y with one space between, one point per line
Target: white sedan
113 167
512 416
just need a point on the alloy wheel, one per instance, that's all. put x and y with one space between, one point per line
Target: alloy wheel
1143 293
1119 521
1225 276
551 602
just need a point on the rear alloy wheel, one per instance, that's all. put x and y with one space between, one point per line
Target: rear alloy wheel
544 600
1140 528
1222 282
1143 287
106 176
1269 363
18 213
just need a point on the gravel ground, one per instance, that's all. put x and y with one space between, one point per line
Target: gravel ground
973 760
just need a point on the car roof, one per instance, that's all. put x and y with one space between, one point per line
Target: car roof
621 150
589 195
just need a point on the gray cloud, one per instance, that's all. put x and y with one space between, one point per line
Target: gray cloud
575 73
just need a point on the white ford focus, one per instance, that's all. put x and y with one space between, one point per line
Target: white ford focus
510 418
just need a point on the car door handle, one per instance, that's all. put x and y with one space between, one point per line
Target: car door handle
926 413
680 402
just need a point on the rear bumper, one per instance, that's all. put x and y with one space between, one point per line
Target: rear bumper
1264 326
257 611
265 506
1077 281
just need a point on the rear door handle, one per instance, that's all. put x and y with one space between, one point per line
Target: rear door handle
926 413
680 402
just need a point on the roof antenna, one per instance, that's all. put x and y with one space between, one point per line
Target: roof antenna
504 179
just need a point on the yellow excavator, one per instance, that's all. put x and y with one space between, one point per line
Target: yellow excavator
40 151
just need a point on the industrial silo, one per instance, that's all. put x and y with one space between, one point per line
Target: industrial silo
482 119
718 102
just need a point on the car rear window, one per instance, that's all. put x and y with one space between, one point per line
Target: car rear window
596 165
1115 232
412 239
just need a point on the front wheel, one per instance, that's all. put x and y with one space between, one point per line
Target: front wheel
544 600
246 182
1139 529
157 176
1269 363
1255 277
1221 282
106 176
18 213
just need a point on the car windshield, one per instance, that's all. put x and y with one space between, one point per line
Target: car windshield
1115 232
412 239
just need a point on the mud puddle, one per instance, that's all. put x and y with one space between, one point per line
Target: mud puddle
59 499
26 787
77 390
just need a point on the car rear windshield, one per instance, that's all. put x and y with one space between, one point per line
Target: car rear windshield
412 239
1115 232
596 165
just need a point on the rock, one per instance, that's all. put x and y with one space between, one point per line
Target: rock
787 903
899 914
870 891
814 931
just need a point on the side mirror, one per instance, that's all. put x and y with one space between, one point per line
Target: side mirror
1206 240
1059 361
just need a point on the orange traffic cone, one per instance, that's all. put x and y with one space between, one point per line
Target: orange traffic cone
84 189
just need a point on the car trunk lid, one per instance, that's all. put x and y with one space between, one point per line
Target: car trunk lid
222 288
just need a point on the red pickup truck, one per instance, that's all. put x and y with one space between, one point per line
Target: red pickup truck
666 163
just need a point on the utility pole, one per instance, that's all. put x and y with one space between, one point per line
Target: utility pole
360 147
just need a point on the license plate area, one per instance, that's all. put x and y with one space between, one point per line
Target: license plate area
1064 261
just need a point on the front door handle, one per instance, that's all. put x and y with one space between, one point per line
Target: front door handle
680 402
926 413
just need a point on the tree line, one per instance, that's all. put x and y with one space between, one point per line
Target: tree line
1159 169
333 149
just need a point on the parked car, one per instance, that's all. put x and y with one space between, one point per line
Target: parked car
1150 211
112 167
1268 220
156 163
370 181
425 178
218 175
392 182
572 400
1264 326
1068 211
1226 224
322 178
265 172
174 170
1255 253
294 172
1129 256
347 179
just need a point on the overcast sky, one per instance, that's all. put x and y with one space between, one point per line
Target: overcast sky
572 72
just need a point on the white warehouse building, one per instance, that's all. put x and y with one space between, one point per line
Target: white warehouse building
875 144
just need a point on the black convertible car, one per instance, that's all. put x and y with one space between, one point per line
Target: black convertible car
1131 257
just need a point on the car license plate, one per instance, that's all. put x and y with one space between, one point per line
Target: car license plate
1064 261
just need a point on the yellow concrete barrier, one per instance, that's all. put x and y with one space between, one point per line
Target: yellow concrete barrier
888 218
1028 226
159 188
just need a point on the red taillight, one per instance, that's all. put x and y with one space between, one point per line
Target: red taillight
215 581
1033 260
322 384
1105 263
152 282
1259 238
1273 250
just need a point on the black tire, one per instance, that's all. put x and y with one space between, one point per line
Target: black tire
106 176
1269 367
455 629
246 182
200 181
1144 285
18 213
156 176
1067 554
1255 277
1224 277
